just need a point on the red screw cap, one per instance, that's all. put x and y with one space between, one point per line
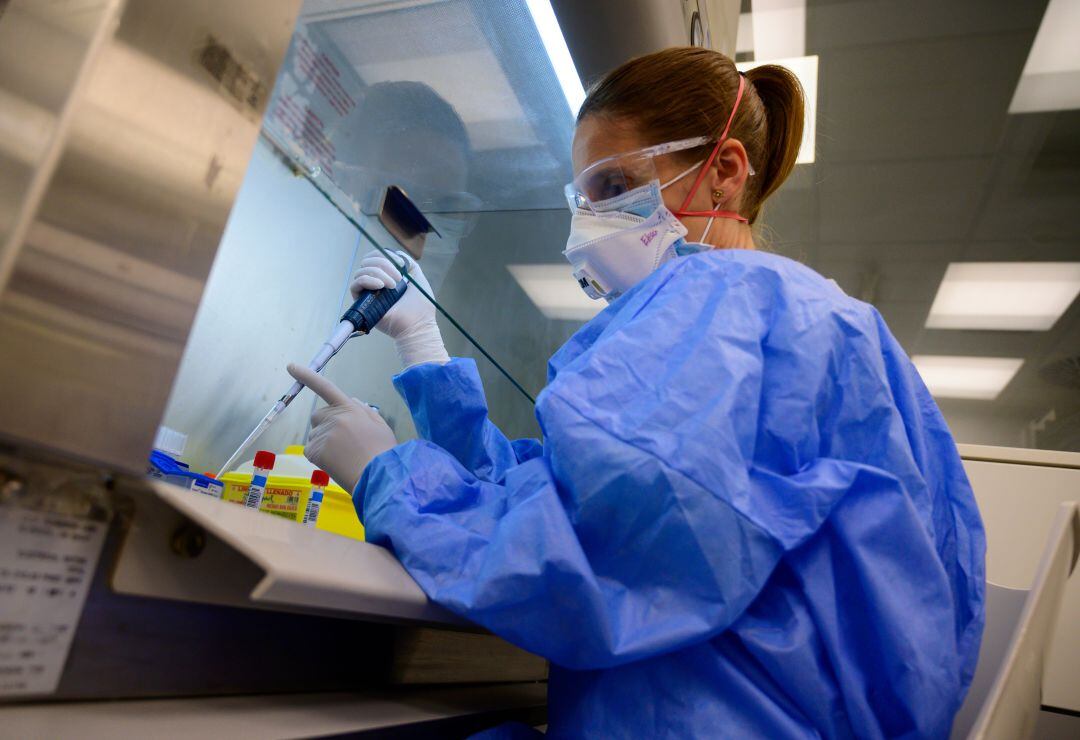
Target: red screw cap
265 460
320 478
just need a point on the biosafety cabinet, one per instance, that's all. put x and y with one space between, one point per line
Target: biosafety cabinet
186 189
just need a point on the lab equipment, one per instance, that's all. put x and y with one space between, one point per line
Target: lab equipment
264 463
285 487
360 318
411 322
165 467
319 481
747 512
172 470
287 491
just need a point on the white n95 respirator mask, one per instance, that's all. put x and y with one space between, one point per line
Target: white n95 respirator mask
620 234
612 252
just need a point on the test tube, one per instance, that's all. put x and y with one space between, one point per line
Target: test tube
319 481
264 463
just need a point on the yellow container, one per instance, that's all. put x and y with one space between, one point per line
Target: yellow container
287 496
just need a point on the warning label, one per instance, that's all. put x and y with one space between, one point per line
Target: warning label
311 98
46 563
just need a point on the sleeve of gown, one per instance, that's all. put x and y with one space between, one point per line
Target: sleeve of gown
449 409
644 525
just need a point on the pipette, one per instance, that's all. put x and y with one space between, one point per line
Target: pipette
366 311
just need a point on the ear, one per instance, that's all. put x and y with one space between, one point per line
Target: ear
729 170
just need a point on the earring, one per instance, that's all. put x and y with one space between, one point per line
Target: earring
717 194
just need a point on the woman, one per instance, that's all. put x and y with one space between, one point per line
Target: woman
747 517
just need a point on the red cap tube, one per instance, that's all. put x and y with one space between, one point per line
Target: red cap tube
265 460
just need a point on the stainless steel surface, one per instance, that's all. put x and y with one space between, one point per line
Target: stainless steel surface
106 282
282 715
37 97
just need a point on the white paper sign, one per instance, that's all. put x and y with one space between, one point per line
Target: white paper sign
46 564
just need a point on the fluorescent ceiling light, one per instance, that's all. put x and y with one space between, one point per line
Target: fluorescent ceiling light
554 291
779 28
1051 76
744 36
775 29
806 69
1012 296
966 377
550 33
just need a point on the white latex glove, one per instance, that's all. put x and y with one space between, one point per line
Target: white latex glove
411 322
345 435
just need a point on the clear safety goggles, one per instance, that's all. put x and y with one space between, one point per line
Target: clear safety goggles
612 176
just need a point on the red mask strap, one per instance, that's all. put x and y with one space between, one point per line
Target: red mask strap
708 163
715 214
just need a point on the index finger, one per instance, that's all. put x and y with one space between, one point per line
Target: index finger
324 388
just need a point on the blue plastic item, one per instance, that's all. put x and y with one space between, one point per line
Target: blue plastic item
178 473
748 517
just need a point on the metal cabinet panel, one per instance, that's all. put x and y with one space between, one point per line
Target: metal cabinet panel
1017 503
104 286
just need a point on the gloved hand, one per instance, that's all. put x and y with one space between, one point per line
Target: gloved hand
411 322
345 435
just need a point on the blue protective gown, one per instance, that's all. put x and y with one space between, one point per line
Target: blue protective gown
747 517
